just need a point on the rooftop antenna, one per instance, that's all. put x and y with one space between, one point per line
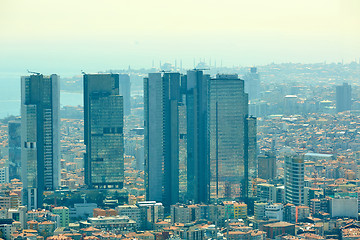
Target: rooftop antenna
36 73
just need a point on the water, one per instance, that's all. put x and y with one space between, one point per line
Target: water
10 95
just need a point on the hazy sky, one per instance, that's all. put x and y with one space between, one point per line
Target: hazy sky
66 36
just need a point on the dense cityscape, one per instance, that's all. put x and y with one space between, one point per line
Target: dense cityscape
250 153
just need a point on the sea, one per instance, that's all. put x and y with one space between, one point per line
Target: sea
10 95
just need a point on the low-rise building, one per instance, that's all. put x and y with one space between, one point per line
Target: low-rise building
240 211
274 211
279 228
132 211
120 223
64 214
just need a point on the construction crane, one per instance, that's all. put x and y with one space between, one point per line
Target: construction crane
36 73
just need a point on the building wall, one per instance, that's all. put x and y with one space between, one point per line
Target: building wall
344 207
161 122
40 106
197 143
294 180
125 85
343 97
14 134
227 112
240 211
267 165
64 214
103 129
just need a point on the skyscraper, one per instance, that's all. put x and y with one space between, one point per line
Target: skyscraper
14 135
161 122
40 153
232 139
103 132
124 84
343 97
197 145
250 150
252 84
294 179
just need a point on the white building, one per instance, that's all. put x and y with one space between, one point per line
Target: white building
122 223
274 211
131 211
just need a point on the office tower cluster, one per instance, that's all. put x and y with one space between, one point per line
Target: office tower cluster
36 141
220 137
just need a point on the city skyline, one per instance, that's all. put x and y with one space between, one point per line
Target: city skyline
193 120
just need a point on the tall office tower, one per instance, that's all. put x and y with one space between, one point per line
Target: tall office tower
124 84
197 145
343 97
14 134
250 160
103 132
161 121
294 179
40 147
232 139
252 84
267 165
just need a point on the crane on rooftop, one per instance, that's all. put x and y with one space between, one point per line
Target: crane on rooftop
36 73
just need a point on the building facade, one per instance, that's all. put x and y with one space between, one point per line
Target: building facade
252 84
294 180
125 85
343 97
103 130
161 122
14 149
267 165
40 147
232 139
198 171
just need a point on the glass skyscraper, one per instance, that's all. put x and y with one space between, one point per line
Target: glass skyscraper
161 122
103 130
124 84
232 139
252 84
197 138
40 153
